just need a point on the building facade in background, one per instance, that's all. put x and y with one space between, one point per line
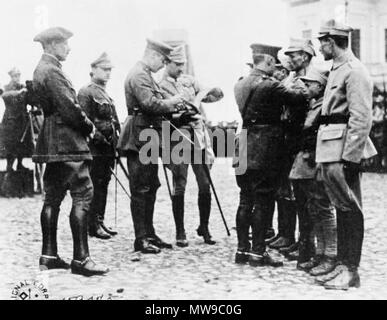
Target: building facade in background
367 17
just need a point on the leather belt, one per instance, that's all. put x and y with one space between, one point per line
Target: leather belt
333 119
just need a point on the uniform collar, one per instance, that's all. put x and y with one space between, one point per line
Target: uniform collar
145 67
317 103
98 85
345 57
258 72
169 78
50 58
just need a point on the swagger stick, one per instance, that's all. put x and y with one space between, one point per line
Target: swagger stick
167 179
120 183
207 171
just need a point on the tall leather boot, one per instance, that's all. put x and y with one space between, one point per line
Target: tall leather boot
178 215
204 202
101 215
96 207
151 235
243 225
78 224
82 263
49 222
287 217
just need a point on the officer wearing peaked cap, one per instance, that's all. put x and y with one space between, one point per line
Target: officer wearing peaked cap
100 109
343 141
174 82
62 144
260 99
147 108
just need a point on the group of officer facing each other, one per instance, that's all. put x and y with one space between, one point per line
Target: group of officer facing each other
80 135
306 137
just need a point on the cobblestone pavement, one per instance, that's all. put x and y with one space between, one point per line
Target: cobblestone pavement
196 272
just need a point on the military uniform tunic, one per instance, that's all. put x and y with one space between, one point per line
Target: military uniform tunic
101 110
260 99
62 140
146 108
189 87
348 95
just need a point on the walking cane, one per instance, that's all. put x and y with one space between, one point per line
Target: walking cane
167 179
115 198
120 183
207 171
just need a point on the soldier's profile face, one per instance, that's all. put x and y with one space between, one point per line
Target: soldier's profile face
158 61
174 69
326 48
61 50
297 60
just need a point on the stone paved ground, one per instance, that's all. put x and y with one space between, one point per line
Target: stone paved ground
196 272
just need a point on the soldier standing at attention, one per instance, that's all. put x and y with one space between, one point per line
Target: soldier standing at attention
62 145
260 99
175 82
100 109
146 109
342 142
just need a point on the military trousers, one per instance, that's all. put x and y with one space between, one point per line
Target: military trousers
59 177
143 182
287 209
317 221
180 174
344 191
256 201
100 175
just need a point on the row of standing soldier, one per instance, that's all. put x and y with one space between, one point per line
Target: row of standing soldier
311 156
79 130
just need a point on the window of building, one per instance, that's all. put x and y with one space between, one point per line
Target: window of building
355 42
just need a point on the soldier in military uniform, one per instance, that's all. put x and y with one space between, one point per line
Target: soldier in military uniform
100 109
342 142
317 221
300 53
175 82
147 108
15 121
260 99
62 145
